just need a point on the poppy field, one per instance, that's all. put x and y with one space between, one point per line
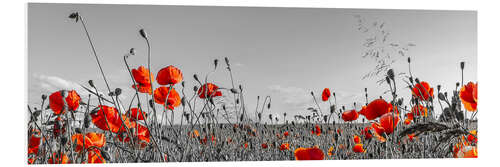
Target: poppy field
69 128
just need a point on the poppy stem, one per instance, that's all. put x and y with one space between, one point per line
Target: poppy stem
94 52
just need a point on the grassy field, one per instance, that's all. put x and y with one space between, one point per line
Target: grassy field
67 128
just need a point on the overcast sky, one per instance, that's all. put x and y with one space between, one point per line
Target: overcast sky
281 52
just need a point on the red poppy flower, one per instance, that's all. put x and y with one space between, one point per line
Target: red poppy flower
350 115
285 134
34 143
313 153
143 135
409 118
411 137
142 79
160 95
356 139
169 76
464 151
137 114
113 119
316 130
95 157
468 95
60 158
367 132
57 104
419 110
59 127
209 90
195 134
472 136
326 94
389 122
376 108
92 139
264 145
285 146
331 151
407 121
245 145
358 148
31 160
379 131
423 91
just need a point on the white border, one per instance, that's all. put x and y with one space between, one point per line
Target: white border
14 62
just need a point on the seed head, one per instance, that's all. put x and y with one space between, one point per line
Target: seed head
390 74
196 77
236 91
44 96
143 33
462 65
441 96
216 61
91 83
118 91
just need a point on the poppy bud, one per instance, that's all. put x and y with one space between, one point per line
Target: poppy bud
333 93
64 139
44 97
235 91
131 51
111 94
211 100
91 83
366 90
417 80
462 65
458 84
411 79
182 83
312 93
293 123
105 155
227 61
325 118
343 108
388 80
271 117
237 101
216 61
439 88
151 103
390 73
183 101
196 77
241 88
195 88
441 97
143 33
241 117
86 121
224 107
409 60
400 101
268 105
73 15
259 115
118 91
